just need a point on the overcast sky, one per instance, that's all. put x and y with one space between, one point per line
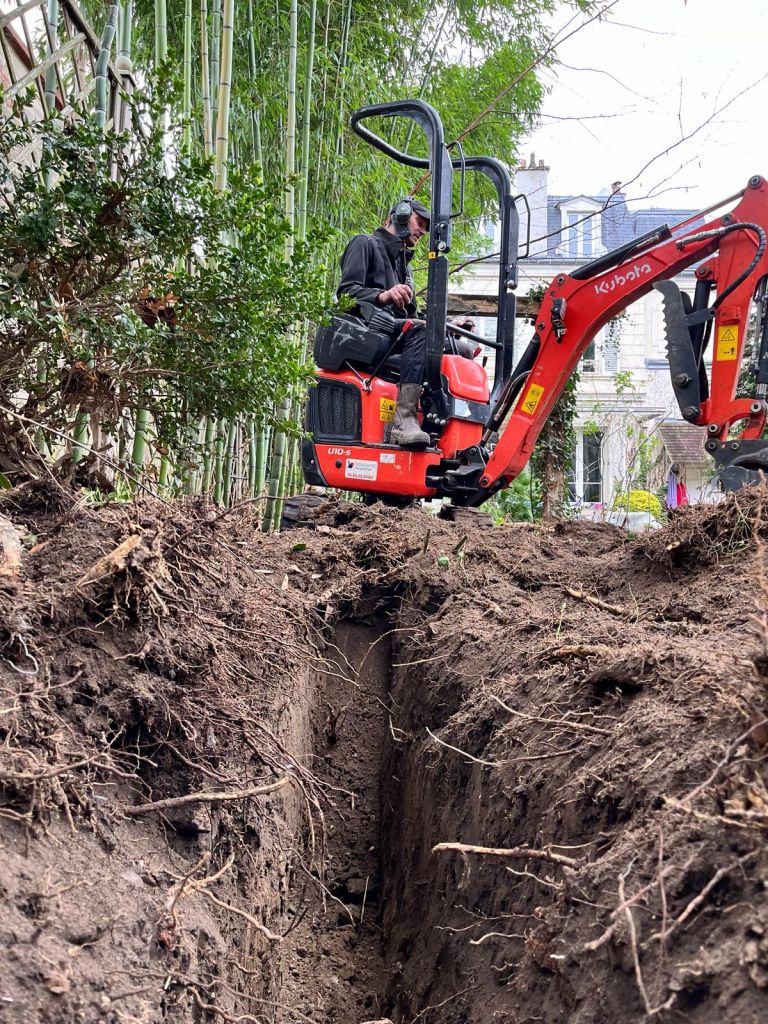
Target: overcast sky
631 87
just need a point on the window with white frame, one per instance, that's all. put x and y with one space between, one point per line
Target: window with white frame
592 468
601 356
585 481
580 234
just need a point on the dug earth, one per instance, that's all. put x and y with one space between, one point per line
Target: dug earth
384 769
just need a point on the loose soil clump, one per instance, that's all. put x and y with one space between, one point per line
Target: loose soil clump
386 768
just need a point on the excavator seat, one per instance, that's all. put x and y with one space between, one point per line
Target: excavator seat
348 341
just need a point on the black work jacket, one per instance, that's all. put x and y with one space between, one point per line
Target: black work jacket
374 263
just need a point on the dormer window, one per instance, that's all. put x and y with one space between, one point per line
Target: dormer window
580 231
579 234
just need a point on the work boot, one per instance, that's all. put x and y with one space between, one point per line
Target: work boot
406 431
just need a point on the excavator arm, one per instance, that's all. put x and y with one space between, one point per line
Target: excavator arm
732 271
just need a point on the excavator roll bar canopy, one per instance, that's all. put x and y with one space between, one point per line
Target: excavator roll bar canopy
440 164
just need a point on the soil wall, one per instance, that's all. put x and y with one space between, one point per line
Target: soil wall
386 769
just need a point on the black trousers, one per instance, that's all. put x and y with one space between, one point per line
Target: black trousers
413 346
413 363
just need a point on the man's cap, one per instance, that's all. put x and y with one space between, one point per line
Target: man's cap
418 207
401 207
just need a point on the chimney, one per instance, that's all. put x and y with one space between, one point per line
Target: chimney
532 181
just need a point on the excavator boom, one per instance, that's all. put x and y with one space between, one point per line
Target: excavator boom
729 253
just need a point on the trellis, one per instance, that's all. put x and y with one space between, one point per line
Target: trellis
48 47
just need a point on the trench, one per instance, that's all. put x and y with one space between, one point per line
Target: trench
333 967
377 922
379 926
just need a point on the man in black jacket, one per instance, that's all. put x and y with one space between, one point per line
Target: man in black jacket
376 269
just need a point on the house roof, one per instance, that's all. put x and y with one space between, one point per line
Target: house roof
618 223
683 441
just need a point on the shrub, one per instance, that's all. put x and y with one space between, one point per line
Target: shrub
125 287
639 501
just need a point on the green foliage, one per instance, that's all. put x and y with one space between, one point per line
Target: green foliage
125 287
639 501
644 456
515 503
554 450
623 382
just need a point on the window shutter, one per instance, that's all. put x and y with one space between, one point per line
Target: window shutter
610 357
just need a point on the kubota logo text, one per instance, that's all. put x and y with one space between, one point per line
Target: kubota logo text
619 280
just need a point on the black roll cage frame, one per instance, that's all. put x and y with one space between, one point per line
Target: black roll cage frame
440 165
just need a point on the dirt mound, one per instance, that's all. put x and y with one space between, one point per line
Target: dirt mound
386 768
708 534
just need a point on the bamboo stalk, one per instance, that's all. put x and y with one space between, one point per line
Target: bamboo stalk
161 32
229 462
209 431
255 116
322 106
215 47
52 44
165 471
225 88
124 39
306 123
339 100
277 466
102 65
262 450
290 135
139 450
218 472
252 466
285 464
187 62
205 81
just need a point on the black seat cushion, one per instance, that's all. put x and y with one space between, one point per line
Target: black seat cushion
348 340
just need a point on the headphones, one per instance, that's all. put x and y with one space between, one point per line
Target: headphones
401 214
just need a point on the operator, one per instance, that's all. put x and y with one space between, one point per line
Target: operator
376 269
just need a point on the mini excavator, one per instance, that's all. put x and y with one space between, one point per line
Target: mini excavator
482 437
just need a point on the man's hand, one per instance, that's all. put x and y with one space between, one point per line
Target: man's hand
399 294
464 321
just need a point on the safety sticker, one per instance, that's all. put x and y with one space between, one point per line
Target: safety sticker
532 399
386 410
387 457
361 469
727 342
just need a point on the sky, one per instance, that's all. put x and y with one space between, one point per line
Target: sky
680 86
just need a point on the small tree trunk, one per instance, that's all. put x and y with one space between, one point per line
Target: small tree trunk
552 487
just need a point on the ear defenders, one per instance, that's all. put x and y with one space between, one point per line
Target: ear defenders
401 215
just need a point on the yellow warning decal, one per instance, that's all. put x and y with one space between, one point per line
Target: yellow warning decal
532 399
432 255
727 342
386 410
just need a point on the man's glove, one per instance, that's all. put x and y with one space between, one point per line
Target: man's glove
463 321
464 347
